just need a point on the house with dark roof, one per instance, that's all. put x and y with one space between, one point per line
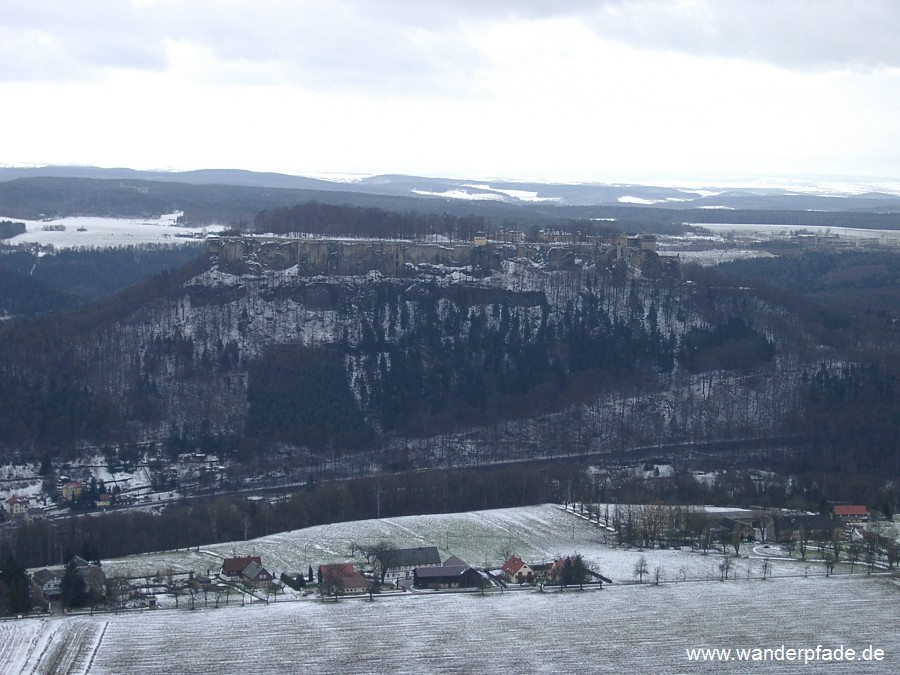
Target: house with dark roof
446 576
453 560
256 575
45 586
232 567
401 562
517 571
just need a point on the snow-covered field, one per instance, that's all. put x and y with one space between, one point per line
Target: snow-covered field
627 629
94 232
768 230
623 628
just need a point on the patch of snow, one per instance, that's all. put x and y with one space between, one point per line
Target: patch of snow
461 194
626 199
704 193
520 195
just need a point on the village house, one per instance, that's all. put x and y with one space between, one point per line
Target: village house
512 236
343 579
553 572
94 577
256 575
71 490
17 506
852 514
44 587
517 571
446 576
233 567
404 560
453 560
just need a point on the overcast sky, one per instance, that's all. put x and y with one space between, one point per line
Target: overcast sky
603 90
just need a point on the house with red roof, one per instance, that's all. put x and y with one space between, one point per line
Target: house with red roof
233 567
18 506
516 571
342 579
852 513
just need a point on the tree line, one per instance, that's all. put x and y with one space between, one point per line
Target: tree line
9 229
332 220
211 520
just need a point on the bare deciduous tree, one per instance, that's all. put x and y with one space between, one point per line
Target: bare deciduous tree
640 569
725 567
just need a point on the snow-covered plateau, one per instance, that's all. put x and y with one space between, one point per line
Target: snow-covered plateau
98 232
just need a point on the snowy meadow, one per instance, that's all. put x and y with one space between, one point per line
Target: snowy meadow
99 232
625 627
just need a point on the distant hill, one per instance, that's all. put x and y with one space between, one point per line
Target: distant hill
482 192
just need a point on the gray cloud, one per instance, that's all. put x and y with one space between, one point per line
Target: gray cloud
793 34
60 41
337 44
420 46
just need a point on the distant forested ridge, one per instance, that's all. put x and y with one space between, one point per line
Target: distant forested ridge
213 203
326 220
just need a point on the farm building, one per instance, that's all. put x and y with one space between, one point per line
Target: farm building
233 567
446 576
402 561
342 579
256 575
853 514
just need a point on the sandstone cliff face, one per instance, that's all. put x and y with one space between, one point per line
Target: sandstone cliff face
561 347
192 352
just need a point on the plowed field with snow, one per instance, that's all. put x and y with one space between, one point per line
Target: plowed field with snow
625 629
